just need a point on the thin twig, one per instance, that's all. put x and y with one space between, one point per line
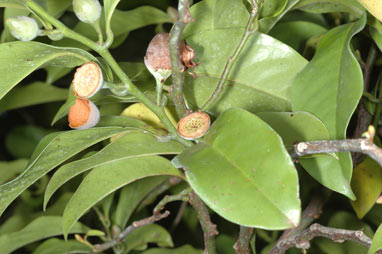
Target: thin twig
179 216
302 240
136 224
175 44
209 229
251 27
242 244
181 196
360 145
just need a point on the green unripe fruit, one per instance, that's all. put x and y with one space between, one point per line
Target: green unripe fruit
88 11
23 28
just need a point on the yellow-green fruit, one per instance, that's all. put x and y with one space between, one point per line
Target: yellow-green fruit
374 7
141 112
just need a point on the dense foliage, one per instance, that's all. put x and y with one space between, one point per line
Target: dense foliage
269 76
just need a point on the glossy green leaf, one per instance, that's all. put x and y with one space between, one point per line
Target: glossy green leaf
377 241
295 33
367 186
131 196
18 59
10 169
64 109
131 145
242 154
109 7
58 246
153 233
214 14
59 149
107 178
333 78
254 84
42 227
302 126
325 6
267 23
185 249
33 94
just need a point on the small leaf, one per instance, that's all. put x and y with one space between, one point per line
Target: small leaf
185 249
375 30
59 246
242 154
64 109
367 186
377 241
42 227
153 233
273 8
18 59
33 94
109 7
94 232
131 196
105 179
59 149
132 145
302 126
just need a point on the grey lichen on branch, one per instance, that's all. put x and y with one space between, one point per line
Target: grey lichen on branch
361 145
303 239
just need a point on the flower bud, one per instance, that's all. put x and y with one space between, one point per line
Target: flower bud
83 115
194 126
23 28
55 35
157 58
88 80
88 11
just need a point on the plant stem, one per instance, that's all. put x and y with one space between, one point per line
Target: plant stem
209 229
181 196
302 240
175 44
136 224
361 145
251 27
98 30
159 111
242 244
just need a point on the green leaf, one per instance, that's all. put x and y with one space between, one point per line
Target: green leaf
18 59
105 179
302 126
325 6
131 196
123 121
185 249
33 94
153 233
377 241
42 227
273 8
375 30
58 246
296 33
64 109
267 23
131 145
333 78
254 83
367 186
59 149
242 154
54 73
22 140
57 8
10 169
213 14
109 7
